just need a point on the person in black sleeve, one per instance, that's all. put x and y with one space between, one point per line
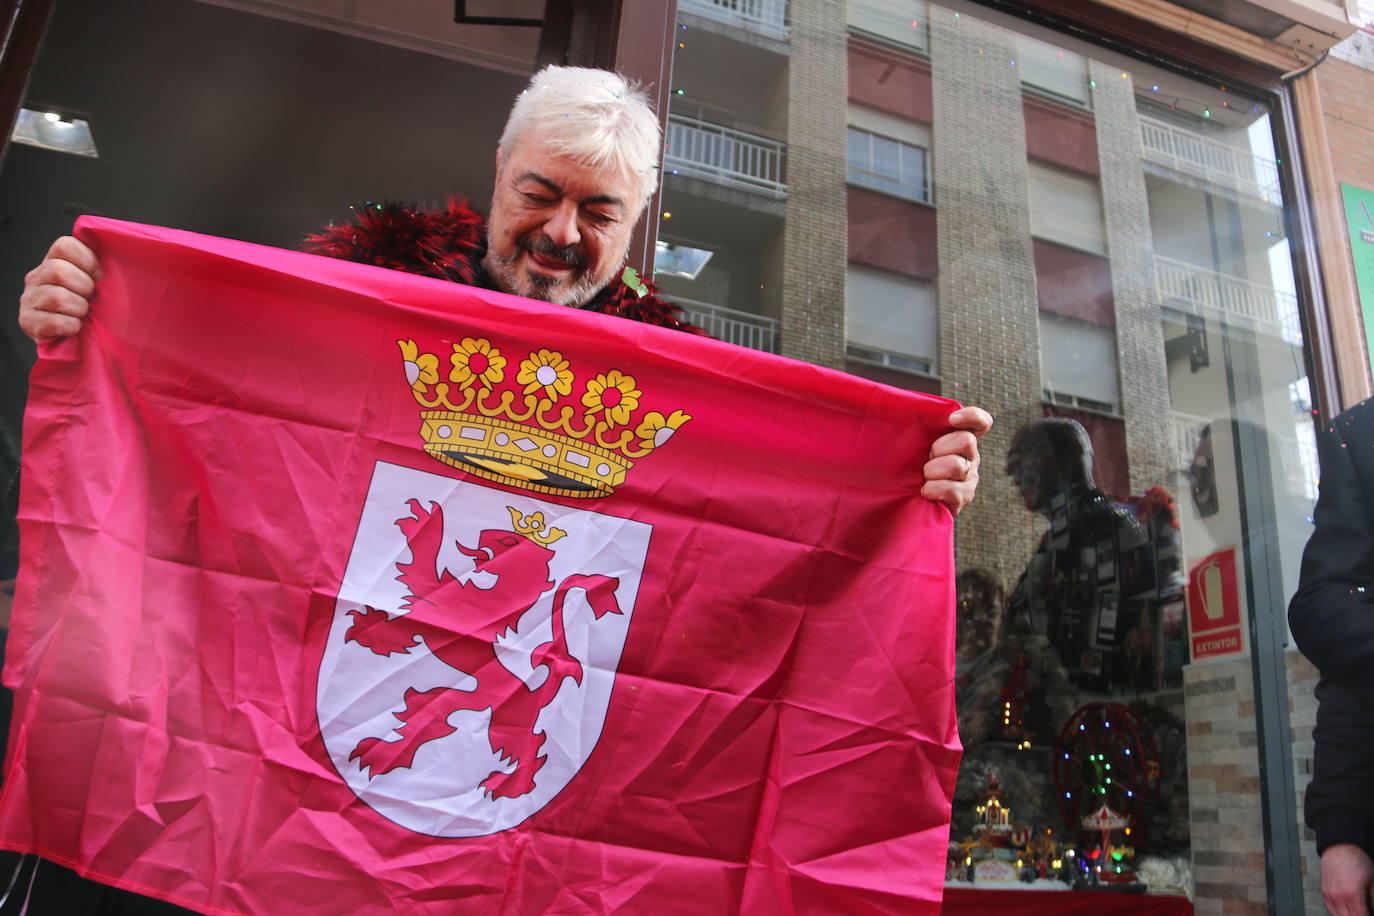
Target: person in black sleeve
1332 617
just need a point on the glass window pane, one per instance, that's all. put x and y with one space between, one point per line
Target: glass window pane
1109 272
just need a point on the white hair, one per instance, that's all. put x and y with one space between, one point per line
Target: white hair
594 117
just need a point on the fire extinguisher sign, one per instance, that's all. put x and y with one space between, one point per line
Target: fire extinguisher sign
1214 606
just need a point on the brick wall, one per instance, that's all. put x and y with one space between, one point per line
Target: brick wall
989 348
815 232
1130 246
1347 94
1224 789
1224 784
1302 716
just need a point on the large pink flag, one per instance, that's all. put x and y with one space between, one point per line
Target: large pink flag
348 591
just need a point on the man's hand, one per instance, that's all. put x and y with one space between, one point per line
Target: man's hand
952 469
1347 880
57 292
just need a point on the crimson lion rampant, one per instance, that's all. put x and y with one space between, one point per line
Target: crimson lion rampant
461 623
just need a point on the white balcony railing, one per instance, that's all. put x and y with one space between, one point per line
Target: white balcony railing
768 17
754 331
1265 307
725 156
1210 160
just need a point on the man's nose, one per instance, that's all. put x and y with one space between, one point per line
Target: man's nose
561 227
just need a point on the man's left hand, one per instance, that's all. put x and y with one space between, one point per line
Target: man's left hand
951 472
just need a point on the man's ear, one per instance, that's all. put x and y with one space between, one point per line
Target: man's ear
498 160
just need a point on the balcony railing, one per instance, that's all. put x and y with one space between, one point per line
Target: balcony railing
725 156
768 17
1210 160
754 331
1265 307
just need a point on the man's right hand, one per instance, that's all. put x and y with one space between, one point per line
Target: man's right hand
1347 880
57 292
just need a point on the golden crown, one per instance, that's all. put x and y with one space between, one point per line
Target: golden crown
533 527
534 434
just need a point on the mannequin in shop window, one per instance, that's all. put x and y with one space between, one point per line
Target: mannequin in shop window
1100 574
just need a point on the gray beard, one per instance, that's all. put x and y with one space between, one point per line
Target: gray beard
537 286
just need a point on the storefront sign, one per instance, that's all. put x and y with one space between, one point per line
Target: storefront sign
1359 218
1214 606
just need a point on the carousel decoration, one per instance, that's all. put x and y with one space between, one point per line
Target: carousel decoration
1106 768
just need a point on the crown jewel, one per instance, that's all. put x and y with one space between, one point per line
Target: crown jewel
535 433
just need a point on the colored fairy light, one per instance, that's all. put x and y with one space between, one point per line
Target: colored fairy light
1123 74
1206 112
1068 795
679 92
1155 87
1082 727
1092 84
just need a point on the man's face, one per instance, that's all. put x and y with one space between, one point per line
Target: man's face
1030 465
559 230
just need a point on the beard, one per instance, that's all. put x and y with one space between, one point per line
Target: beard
576 292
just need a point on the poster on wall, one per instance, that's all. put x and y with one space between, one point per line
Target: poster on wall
1214 606
1359 219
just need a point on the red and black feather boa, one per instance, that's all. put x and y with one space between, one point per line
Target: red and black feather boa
449 244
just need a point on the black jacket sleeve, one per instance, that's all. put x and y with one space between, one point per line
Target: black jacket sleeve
1332 613
1340 798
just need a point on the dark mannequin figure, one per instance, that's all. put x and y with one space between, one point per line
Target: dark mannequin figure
1096 576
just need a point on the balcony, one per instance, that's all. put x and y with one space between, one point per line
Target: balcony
731 326
1210 160
767 17
1201 291
724 156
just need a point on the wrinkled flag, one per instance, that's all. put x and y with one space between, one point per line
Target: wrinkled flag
349 591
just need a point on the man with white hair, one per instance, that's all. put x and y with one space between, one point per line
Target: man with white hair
576 166
575 169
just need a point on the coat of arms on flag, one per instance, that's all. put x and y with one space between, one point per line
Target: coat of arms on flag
473 653
502 617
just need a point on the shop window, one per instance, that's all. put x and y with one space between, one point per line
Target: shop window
1066 208
890 319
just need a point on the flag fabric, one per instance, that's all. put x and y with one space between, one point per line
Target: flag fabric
349 591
